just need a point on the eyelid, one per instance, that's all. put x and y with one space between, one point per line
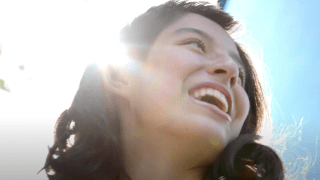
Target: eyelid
194 40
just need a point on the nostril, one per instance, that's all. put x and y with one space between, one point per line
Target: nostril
233 81
220 71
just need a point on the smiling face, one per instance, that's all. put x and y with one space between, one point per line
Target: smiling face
190 85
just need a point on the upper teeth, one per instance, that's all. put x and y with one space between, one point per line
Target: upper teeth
198 94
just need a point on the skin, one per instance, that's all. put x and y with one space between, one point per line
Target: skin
165 135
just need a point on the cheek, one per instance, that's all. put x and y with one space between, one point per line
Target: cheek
177 61
154 92
241 109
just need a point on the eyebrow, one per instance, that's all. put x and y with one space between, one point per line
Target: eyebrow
205 35
192 30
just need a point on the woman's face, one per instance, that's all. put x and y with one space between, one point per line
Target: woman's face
189 87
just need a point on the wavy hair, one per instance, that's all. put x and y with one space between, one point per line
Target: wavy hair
93 119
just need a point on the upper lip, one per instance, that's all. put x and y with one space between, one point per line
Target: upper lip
215 86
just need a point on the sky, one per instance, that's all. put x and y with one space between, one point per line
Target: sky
56 40
287 34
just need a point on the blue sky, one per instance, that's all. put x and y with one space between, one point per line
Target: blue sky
288 34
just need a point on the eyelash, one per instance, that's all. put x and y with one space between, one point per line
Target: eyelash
198 42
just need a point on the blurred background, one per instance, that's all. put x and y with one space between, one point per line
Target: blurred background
46 45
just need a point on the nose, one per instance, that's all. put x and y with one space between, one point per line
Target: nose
226 68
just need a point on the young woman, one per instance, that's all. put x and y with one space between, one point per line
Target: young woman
189 106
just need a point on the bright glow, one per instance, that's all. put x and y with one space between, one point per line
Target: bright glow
54 41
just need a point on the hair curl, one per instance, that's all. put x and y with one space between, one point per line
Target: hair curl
97 153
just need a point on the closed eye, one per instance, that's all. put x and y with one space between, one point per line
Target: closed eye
196 43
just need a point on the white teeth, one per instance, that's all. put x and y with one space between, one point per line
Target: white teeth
196 95
212 92
203 92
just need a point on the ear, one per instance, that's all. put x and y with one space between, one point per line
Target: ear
116 81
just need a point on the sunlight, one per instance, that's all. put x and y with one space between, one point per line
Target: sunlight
54 41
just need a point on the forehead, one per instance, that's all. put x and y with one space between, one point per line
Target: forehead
202 23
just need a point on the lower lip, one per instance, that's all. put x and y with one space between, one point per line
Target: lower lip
212 108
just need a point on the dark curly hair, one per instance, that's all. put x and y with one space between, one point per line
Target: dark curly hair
94 120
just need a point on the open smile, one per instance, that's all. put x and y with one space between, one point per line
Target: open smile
213 96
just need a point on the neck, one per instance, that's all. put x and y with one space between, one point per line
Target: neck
146 160
155 154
